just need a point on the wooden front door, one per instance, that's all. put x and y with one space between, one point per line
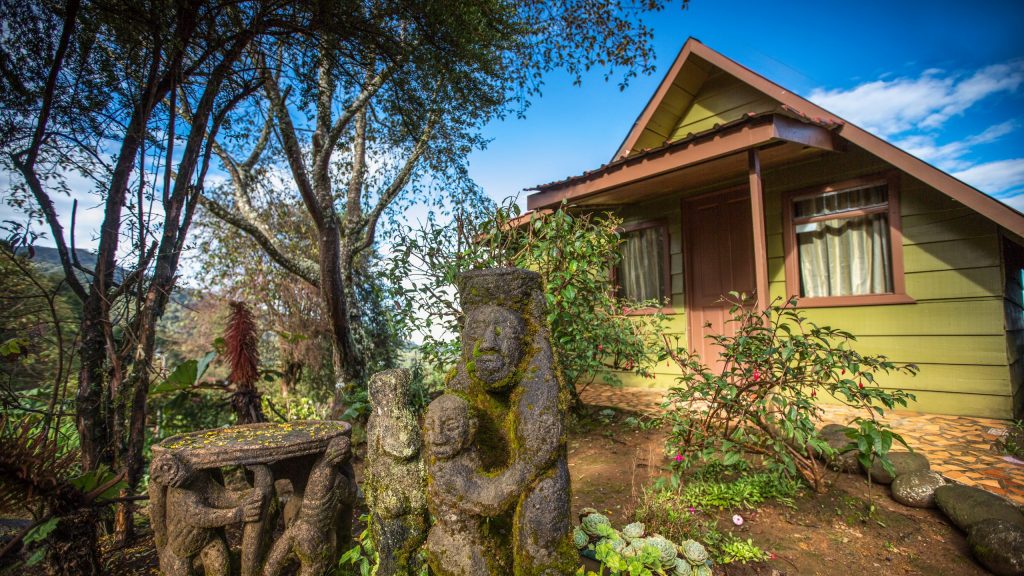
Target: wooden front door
719 248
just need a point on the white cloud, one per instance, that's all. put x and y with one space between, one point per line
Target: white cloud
912 113
1001 178
888 107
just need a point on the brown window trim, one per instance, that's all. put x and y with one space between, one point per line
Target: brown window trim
792 265
666 276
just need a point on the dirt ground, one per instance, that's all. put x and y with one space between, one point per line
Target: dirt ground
827 534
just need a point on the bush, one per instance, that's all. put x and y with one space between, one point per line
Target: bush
763 400
591 330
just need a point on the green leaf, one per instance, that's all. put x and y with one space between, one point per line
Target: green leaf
41 531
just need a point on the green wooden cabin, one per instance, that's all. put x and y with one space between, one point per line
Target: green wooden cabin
728 181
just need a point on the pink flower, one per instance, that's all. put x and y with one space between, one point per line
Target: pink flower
692 510
625 310
600 348
772 556
679 457
737 520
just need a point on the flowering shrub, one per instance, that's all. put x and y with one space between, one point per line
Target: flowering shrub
762 401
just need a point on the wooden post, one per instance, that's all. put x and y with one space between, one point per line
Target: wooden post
757 215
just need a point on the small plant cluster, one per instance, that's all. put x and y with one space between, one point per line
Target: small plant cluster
1013 442
708 488
631 551
763 399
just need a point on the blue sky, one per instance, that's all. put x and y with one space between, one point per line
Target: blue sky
943 80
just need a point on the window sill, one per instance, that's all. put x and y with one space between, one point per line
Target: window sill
650 311
864 300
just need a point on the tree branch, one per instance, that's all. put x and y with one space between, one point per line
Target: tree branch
397 185
304 269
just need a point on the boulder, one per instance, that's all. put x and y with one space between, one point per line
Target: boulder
902 463
835 436
917 489
999 546
966 506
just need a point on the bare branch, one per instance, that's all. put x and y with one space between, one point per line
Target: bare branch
397 184
304 269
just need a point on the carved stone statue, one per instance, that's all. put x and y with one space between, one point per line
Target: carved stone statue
394 480
507 376
313 536
462 496
188 508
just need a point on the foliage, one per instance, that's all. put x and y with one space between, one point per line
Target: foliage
747 490
361 559
872 443
1013 442
634 551
762 400
41 479
243 355
742 551
591 331
669 513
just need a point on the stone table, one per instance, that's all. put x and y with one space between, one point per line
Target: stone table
189 504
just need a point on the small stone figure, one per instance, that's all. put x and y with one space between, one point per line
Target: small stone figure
187 509
394 476
462 496
314 535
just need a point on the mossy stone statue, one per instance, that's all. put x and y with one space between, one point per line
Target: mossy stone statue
395 480
509 382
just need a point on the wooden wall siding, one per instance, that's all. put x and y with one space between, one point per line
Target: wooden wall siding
955 330
1013 308
721 99
677 100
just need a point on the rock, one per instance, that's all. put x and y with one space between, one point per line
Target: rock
966 506
917 489
999 546
835 436
902 463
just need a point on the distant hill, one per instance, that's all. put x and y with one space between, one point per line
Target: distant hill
47 260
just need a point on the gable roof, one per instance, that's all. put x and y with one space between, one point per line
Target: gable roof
799 107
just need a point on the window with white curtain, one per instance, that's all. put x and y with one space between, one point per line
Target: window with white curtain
641 270
843 242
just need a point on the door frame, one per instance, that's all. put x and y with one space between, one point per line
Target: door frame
739 190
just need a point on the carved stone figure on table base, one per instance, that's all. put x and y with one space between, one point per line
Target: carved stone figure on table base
508 375
313 535
394 479
187 509
462 496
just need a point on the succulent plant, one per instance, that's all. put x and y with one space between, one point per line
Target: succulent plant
666 549
634 530
682 568
592 523
702 570
694 552
587 512
629 551
580 538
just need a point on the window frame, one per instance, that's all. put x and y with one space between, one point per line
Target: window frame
666 260
792 256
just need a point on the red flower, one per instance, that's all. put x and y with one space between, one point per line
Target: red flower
860 385
600 348
757 375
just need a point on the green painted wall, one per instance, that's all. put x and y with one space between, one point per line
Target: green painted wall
953 269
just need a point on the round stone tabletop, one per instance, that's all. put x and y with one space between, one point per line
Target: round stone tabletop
247 444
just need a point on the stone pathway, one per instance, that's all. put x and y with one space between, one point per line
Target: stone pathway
958 447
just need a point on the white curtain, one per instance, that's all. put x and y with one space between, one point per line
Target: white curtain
844 257
640 270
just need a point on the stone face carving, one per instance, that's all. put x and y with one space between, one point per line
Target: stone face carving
189 507
508 381
394 476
